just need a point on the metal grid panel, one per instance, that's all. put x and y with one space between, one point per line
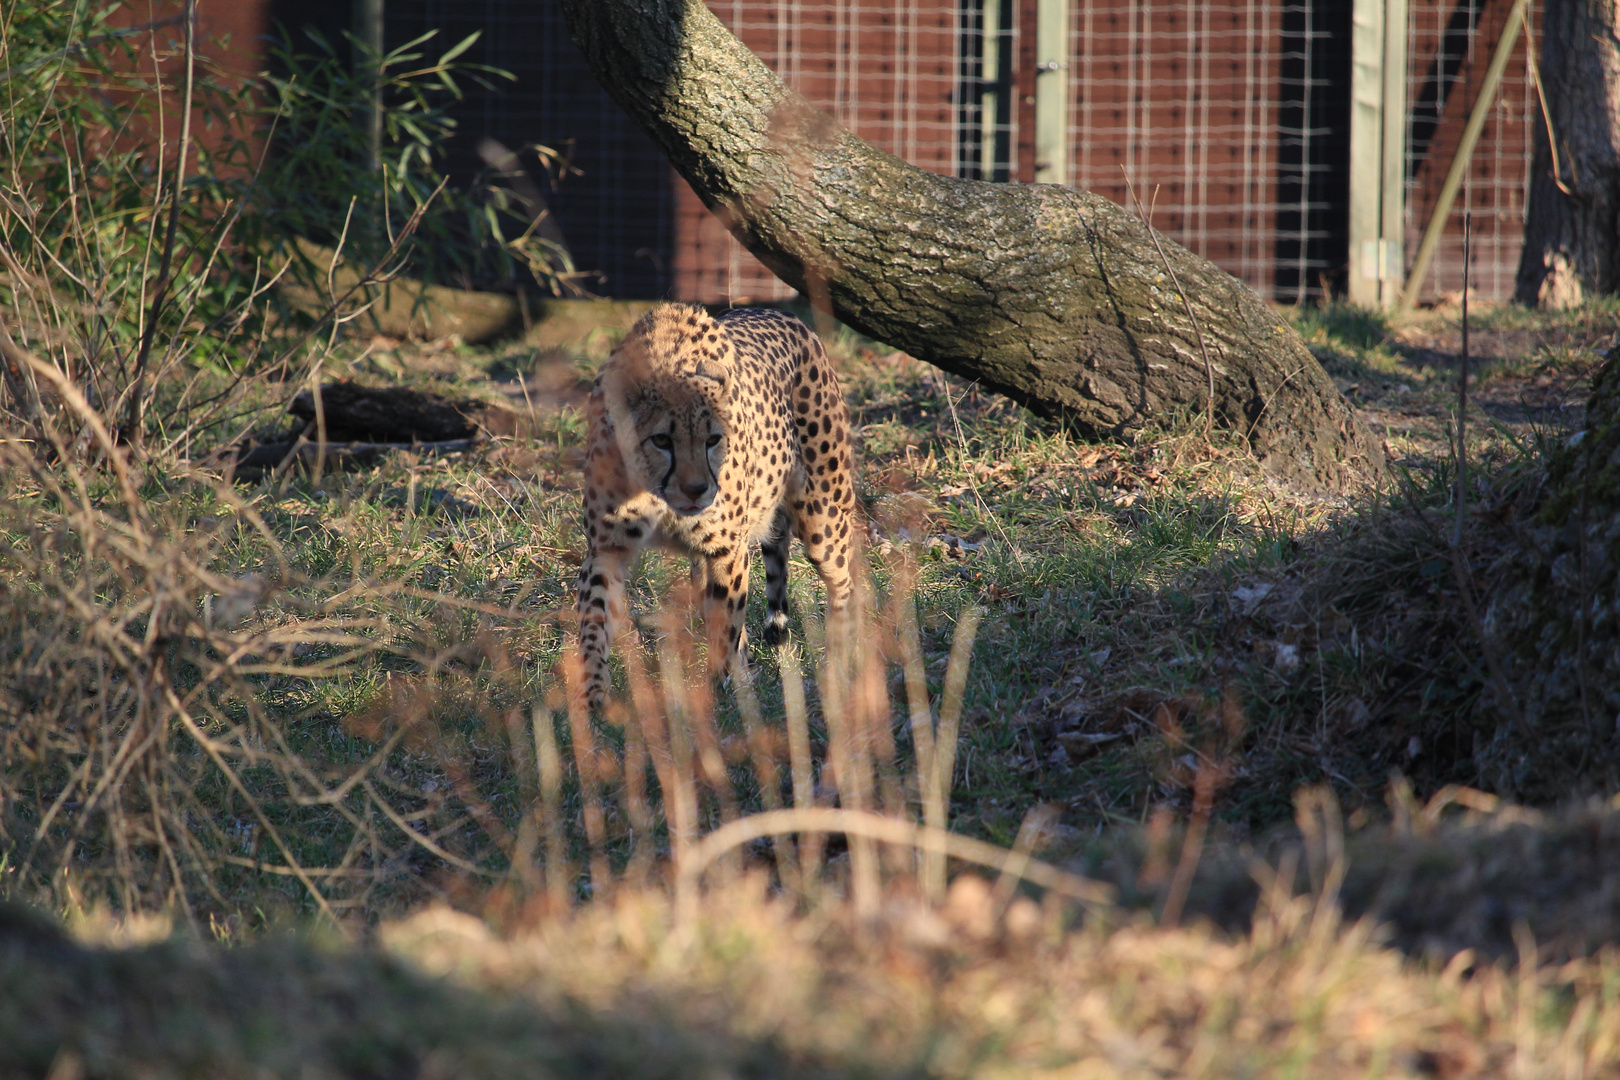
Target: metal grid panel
886 69
1222 107
1234 111
1216 109
1451 44
985 128
617 216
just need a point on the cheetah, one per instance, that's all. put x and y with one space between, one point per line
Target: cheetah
706 436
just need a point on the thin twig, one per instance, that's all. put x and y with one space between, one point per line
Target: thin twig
70 394
548 762
1209 368
426 843
973 483
137 401
759 748
270 830
1462 393
1192 845
379 272
1546 114
922 722
950 716
798 731
1016 861
1465 585
1266 404
1459 563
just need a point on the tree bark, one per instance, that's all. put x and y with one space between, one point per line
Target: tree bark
1572 222
1055 297
1554 608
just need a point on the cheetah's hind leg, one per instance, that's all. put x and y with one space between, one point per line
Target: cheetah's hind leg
775 550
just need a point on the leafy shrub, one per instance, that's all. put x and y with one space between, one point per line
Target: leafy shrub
140 250
315 185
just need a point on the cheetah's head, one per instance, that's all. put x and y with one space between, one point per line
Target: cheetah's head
671 431
683 445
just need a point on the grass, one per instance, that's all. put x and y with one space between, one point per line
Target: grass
752 985
1126 590
370 669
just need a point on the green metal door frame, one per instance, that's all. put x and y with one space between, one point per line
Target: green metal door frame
1052 92
1377 152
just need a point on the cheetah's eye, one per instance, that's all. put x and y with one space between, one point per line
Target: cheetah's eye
714 441
662 441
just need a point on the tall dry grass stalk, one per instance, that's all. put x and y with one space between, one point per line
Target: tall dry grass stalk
697 784
154 637
144 761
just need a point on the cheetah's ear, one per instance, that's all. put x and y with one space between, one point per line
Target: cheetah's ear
714 371
616 386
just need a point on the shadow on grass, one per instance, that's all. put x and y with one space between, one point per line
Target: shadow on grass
293 1007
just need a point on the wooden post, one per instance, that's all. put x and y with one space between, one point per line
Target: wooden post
1377 150
990 103
1052 92
1392 202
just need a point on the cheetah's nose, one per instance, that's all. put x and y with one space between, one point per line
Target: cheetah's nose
694 489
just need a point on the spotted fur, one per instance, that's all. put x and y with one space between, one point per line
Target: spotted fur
707 436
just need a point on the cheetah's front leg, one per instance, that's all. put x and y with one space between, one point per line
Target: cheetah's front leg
725 607
602 611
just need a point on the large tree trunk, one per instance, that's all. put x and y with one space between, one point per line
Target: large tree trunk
1572 223
1055 297
1554 606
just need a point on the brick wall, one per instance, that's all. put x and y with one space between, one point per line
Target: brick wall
887 71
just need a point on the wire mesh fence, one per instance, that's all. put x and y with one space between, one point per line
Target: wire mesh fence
1215 108
1450 47
1233 113
1220 108
885 69
618 214
1231 119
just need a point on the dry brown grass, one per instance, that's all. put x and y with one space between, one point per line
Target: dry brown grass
752 984
142 757
969 990
777 960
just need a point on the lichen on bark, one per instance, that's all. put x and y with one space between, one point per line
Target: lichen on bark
1565 617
